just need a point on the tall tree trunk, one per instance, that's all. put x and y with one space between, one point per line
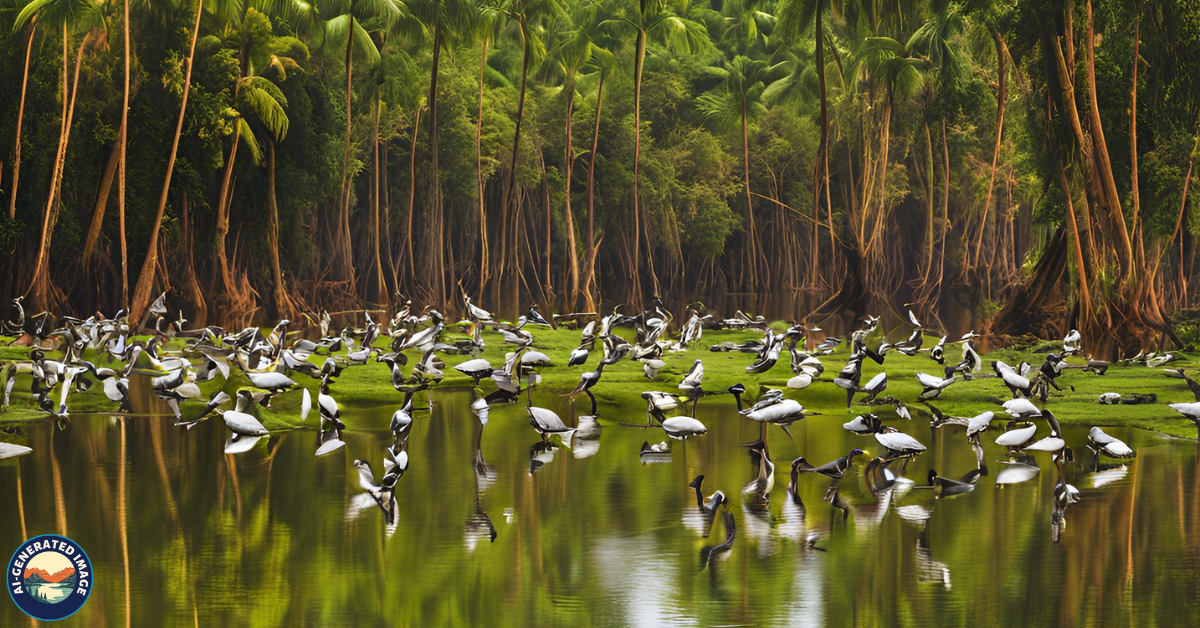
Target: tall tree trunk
1134 193
639 63
412 198
513 191
342 254
145 282
191 285
41 288
380 283
283 305
483 232
822 164
1081 265
753 231
106 181
590 279
435 265
1001 100
124 139
222 227
12 199
1100 148
568 169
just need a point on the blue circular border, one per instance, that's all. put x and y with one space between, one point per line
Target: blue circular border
81 551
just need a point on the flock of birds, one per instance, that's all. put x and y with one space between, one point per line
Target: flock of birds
269 362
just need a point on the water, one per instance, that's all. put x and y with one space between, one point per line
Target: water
51 592
278 537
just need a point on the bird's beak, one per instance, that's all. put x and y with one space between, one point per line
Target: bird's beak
866 453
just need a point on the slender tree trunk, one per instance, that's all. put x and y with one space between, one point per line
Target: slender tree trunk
513 190
283 305
124 139
1001 100
929 215
342 248
1100 148
380 282
191 286
1085 293
222 227
568 169
639 63
1134 193
41 286
12 199
822 164
141 293
590 278
412 198
483 231
436 255
106 181
749 200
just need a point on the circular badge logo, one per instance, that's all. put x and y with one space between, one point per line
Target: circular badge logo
49 577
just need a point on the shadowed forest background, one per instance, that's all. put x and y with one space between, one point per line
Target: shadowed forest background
1008 166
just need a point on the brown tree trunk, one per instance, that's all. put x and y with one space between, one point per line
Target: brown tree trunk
753 230
124 140
513 191
191 286
141 293
822 164
1001 100
435 255
106 181
639 63
222 227
1134 193
342 247
568 169
283 305
412 198
380 283
1100 147
41 287
12 199
589 301
483 233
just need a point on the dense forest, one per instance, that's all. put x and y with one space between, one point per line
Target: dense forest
1013 166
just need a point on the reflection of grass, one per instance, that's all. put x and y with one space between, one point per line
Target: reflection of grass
619 391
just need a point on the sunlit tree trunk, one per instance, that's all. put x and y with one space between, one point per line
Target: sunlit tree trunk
1001 100
639 63
435 254
483 232
412 198
141 293
283 305
41 288
590 279
568 169
111 167
12 199
221 257
124 139
510 213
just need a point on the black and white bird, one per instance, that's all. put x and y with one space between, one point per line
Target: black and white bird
932 386
1072 343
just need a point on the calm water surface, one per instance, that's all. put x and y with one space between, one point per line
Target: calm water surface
278 537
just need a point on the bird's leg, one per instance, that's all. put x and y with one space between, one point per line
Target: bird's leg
789 435
593 398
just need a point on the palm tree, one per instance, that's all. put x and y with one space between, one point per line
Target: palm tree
12 199
448 19
574 47
601 65
529 18
671 23
794 17
69 15
744 81
485 14
342 22
141 293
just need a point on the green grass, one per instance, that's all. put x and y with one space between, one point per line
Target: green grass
619 391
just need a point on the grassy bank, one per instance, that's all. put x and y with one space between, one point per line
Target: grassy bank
619 391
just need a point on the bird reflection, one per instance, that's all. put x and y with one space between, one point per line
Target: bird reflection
928 569
381 494
1064 495
709 553
700 519
654 454
541 453
479 525
758 491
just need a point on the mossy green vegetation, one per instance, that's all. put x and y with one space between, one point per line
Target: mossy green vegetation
618 393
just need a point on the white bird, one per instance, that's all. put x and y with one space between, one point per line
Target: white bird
681 427
547 422
979 424
1071 343
1015 438
801 381
1110 398
241 423
1053 443
652 367
1021 409
694 379
1110 446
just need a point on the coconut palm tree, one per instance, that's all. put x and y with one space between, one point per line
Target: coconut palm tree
738 104
677 25
79 16
343 23
141 293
